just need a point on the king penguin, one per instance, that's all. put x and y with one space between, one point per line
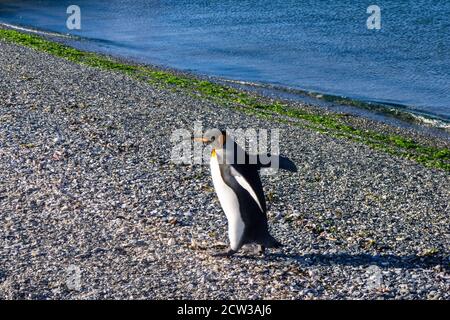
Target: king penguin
240 192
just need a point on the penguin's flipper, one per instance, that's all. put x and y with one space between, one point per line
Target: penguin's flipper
287 164
227 253
252 186
283 162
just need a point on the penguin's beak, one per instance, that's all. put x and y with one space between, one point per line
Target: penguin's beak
202 140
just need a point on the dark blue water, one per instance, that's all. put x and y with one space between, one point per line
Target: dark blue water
322 46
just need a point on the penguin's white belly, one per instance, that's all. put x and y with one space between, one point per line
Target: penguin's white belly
230 205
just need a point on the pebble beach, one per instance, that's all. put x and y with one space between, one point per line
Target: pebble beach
87 184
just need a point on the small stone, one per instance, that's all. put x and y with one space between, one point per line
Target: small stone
188 214
433 295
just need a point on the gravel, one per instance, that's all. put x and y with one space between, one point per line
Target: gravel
92 207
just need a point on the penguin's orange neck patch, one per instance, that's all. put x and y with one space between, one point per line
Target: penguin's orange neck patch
213 153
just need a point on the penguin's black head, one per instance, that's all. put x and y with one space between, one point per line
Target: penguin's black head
215 137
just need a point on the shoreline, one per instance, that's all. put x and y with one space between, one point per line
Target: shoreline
430 151
392 114
86 182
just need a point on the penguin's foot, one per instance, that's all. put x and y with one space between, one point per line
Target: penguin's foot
261 250
226 253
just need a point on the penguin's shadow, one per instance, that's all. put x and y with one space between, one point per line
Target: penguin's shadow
355 260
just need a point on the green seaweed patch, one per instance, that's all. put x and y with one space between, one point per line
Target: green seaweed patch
330 124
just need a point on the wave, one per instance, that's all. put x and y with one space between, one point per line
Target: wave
432 122
399 111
